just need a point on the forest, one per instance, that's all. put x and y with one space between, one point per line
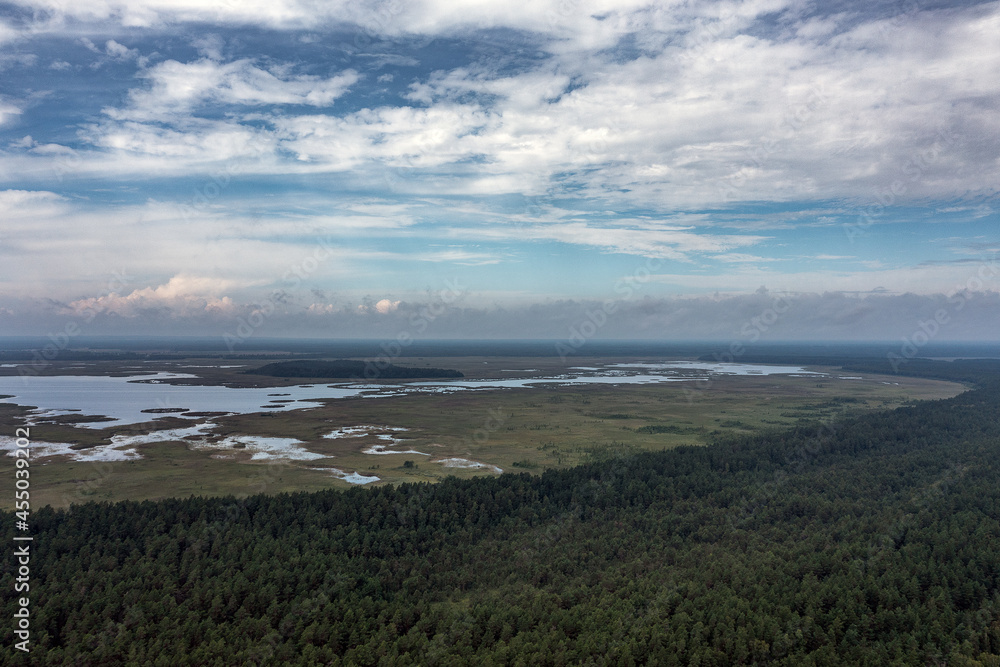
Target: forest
869 540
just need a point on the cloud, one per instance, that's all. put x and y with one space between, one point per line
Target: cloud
400 137
181 296
655 129
13 199
321 309
213 142
116 50
386 306
30 205
180 87
595 23
664 242
7 33
65 249
8 111
382 307
209 46
739 258
924 278
764 315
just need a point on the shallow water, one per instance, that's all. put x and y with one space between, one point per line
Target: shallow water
378 449
466 463
350 478
261 448
41 449
722 367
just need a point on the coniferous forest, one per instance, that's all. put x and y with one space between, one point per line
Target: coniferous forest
874 540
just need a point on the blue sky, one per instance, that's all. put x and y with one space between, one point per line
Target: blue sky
172 166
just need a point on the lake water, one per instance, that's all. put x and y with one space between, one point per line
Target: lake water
123 399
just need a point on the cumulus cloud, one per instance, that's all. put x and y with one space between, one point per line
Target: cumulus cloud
181 296
321 309
386 306
382 306
120 51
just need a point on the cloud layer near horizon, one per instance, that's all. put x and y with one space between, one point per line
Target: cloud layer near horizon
184 307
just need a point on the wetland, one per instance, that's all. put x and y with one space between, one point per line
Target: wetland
200 426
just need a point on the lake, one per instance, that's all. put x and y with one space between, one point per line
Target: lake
123 399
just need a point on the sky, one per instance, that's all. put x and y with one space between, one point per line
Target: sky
569 169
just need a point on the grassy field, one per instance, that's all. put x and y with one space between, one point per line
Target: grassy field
518 430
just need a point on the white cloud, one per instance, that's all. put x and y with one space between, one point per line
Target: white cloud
942 278
741 258
386 306
209 46
821 114
7 33
8 111
121 52
665 242
374 18
181 87
29 205
213 142
399 137
382 307
66 250
181 296
321 309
